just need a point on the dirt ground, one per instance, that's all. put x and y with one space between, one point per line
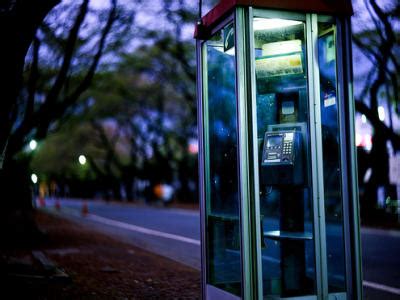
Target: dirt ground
99 267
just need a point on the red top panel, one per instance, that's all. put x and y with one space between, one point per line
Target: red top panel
333 7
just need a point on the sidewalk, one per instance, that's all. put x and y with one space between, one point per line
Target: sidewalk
99 267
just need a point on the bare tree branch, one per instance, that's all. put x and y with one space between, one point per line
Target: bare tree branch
44 113
17 30
367 84
383 17
95 62
52 110
33 77
374 19
69 51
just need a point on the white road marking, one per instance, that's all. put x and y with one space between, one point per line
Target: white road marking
381 287
185 212
143 230
382 232
180 238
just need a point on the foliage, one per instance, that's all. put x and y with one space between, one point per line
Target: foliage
57 156
140 114
378 42
65 55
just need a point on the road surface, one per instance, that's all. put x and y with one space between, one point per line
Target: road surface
175 233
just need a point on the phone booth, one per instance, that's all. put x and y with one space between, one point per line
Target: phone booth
278 171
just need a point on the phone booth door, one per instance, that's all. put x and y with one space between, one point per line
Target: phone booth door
221 225
300 156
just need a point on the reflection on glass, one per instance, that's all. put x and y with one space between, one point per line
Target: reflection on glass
331 157
288 260
222 200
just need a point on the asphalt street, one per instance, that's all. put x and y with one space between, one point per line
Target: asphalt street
175 233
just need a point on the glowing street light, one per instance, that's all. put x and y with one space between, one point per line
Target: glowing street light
32 145
82 159
34 178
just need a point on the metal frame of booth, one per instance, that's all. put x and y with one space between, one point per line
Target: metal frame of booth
250 230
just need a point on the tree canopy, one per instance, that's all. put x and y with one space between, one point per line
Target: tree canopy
139 114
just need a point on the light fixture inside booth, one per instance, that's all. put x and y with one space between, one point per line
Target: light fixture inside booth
277 57
266 24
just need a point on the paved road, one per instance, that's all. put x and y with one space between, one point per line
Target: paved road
175 233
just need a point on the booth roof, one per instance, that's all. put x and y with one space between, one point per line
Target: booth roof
224 7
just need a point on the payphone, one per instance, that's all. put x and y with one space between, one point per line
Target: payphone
281 158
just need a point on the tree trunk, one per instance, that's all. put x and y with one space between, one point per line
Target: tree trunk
128 185
16 215
19 21
116 189
379 159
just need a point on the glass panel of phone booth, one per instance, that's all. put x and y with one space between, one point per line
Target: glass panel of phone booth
331 156
288 255
222 192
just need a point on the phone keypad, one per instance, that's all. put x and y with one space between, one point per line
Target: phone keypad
287 147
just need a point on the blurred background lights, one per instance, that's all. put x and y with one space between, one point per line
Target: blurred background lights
367 142
358 140
381 113
363 119
193 146
34 178
364 141
32 145
82 159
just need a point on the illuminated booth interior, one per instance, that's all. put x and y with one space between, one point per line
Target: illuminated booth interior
278 181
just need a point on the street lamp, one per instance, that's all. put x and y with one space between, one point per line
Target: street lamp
82 159
32 145
34 178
